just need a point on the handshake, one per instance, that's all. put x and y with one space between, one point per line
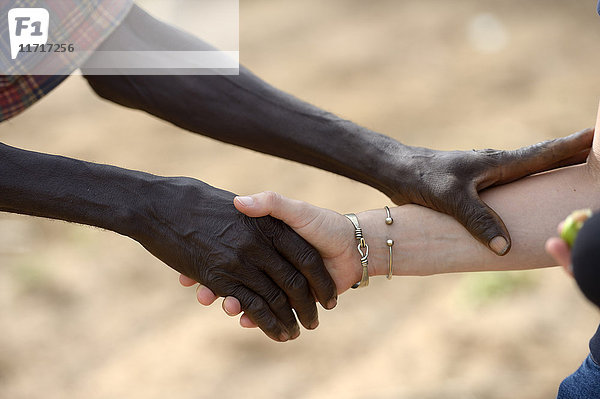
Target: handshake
271 256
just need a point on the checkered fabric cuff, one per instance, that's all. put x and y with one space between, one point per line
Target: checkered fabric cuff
83 23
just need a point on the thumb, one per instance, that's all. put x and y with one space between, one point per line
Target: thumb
294 213
484 224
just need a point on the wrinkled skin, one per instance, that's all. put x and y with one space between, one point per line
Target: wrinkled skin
449 181
246 111
195 229
191 226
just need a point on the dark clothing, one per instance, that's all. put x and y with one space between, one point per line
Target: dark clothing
585 258
582 384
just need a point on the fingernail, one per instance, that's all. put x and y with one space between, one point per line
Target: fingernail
314 325
246 201
331 304
499 245
296 335
225 310
283 337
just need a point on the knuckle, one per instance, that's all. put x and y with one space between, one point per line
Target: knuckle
489 152
254 304
219 279
308 257
247 226
489 158
296 284
278 299
468 211
478 221
483 224
218 285
260 313
272 197
268 226
250 302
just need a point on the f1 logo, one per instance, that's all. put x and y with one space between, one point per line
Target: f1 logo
28 26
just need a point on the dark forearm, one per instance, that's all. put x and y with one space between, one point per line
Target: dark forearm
244 110
190 226
66 189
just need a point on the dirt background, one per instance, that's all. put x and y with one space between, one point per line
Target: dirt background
88 314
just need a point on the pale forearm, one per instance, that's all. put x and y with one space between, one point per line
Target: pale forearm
427 242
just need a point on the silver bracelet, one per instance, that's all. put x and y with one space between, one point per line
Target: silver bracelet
363 250
390 243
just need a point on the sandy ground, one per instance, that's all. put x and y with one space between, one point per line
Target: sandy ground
89 314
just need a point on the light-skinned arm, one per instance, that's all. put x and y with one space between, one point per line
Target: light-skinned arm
428 242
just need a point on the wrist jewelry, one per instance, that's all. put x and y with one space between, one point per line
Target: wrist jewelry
390 243
363 250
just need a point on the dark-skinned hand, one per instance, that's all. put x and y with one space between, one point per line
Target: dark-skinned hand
450 181
195 229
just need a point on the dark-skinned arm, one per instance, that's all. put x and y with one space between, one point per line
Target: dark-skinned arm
245 111
189 225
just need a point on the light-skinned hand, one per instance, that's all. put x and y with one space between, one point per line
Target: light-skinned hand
331 233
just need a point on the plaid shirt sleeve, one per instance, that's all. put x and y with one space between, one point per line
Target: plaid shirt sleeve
83 23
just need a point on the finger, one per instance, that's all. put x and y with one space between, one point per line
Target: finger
246 322
274 296
559 250
186 281
483 223
231 306
576 159
296 214
205 295
259 312
544 156
309 263
295 286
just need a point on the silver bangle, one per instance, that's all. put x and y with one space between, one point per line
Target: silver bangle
390 243
363 250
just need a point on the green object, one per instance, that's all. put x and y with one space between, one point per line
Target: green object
486 288
573 224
